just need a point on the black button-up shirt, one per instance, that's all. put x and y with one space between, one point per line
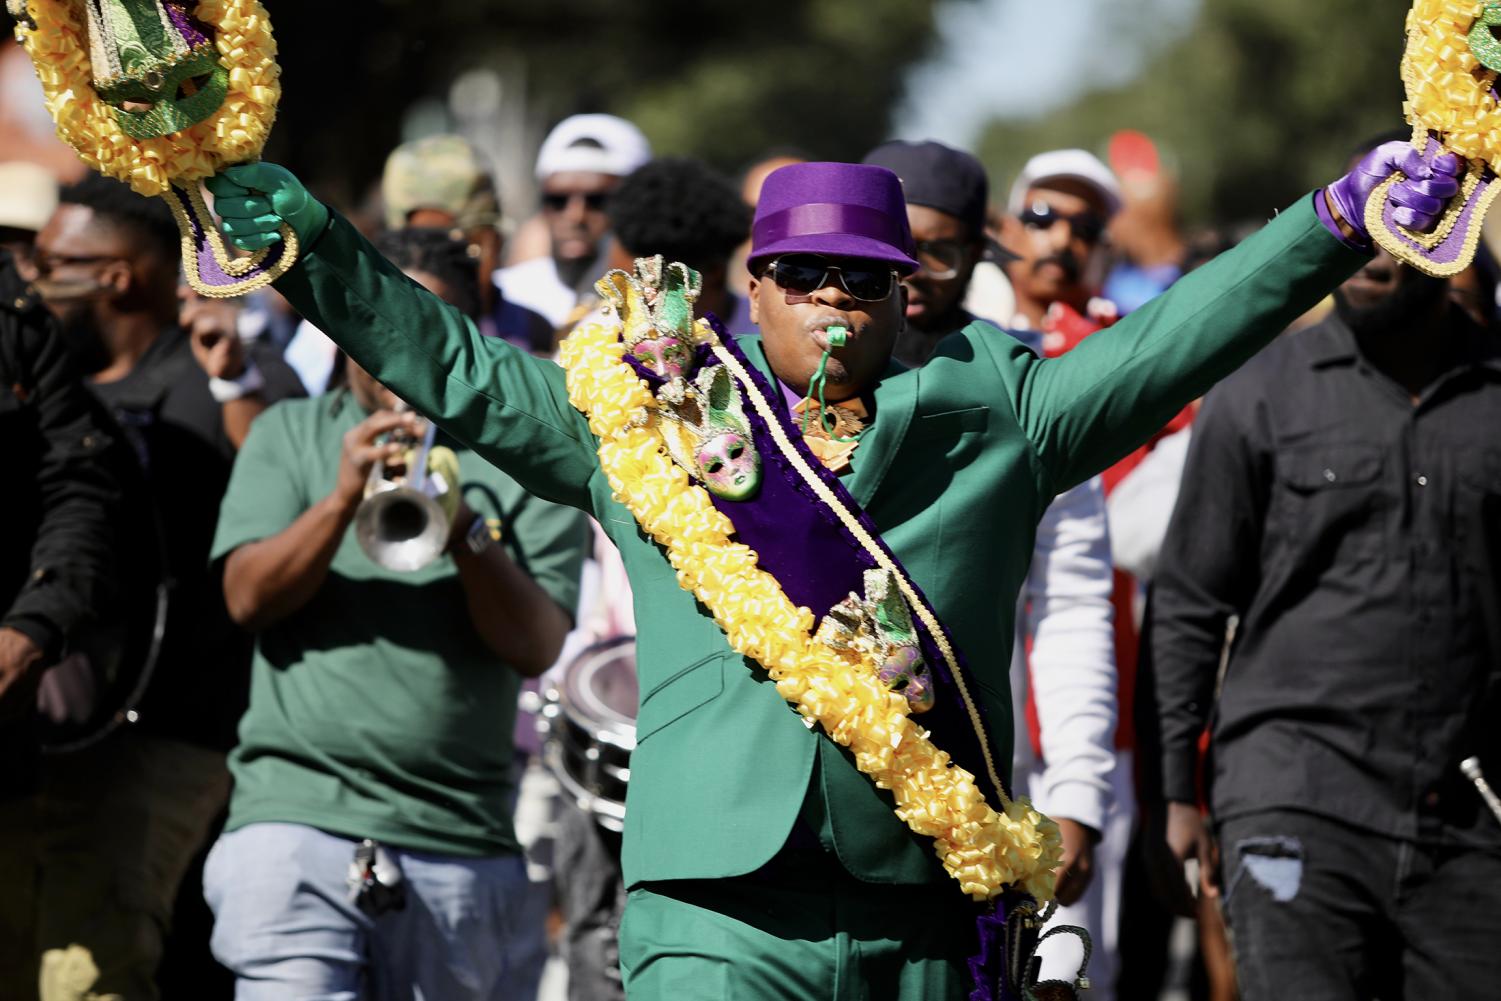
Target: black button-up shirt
1357 537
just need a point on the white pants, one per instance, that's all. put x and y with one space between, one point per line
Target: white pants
1099 910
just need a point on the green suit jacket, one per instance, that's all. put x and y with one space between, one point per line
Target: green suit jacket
962 458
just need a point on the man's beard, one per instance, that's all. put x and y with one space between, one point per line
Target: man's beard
81 334
1395 313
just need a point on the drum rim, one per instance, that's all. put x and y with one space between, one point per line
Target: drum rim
574 693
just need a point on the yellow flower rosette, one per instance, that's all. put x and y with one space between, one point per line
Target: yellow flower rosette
59 48
55 34
1449 70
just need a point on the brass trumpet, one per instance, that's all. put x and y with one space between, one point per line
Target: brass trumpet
403 522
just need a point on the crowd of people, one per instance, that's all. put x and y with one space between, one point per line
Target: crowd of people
1254 639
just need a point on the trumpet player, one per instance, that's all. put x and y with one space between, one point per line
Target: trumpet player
369 849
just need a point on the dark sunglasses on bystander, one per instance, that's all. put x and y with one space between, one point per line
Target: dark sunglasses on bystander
594 201
940 259
1086 226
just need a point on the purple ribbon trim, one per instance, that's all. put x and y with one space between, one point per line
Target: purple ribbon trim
830 218
209 270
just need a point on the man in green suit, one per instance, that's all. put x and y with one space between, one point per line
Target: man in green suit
761 863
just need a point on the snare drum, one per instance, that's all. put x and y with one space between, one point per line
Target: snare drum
588 728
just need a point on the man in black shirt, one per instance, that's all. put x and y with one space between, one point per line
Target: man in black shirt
1342 501
54 567
123 818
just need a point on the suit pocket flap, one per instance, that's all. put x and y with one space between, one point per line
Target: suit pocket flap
950 424
680 694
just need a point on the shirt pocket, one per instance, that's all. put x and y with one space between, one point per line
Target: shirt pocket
1481 473
1477 505
694 686
1329 497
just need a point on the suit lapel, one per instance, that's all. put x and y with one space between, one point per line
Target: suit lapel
896 401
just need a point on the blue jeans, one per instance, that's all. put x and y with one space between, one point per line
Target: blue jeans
284 924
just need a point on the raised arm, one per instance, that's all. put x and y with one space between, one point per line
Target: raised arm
1087 409
509 407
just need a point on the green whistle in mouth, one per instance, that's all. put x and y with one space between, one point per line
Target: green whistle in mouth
838 336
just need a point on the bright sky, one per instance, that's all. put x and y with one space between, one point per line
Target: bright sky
1019 58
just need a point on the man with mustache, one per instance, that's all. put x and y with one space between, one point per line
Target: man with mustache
1055 225
1342 500
760 861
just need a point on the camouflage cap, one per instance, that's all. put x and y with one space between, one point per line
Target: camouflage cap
442 172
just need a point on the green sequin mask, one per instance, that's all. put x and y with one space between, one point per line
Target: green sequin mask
1483 42
155 65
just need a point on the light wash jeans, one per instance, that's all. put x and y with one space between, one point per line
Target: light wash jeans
284 924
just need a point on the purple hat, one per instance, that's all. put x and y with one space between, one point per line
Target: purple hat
836 209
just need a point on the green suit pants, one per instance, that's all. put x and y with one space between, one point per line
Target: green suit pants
825 937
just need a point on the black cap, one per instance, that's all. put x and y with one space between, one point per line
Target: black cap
939 177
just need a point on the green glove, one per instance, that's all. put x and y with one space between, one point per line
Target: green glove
252 200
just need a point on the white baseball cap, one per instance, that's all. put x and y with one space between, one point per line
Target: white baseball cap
1072 164
595 144
28 195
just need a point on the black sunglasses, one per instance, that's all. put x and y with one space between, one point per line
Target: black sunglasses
1085 226
593 201
940 259
868 281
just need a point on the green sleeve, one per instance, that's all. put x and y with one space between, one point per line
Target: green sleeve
508 406
552 540
1088 408
266 492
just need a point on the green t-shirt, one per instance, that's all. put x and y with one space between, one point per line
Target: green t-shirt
375 710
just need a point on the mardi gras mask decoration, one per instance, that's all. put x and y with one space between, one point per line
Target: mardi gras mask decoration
161 94
880 624
1449 68
656 309
708 435
699 411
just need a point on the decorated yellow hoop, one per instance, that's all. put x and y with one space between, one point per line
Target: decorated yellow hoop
1449 69
56 35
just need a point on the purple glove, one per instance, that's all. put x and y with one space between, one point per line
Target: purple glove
1430 182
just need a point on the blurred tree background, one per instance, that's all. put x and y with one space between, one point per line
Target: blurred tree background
1257 102
724 81
1254 101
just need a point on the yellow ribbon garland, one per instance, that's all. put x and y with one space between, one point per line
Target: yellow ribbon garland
236 133
985 850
